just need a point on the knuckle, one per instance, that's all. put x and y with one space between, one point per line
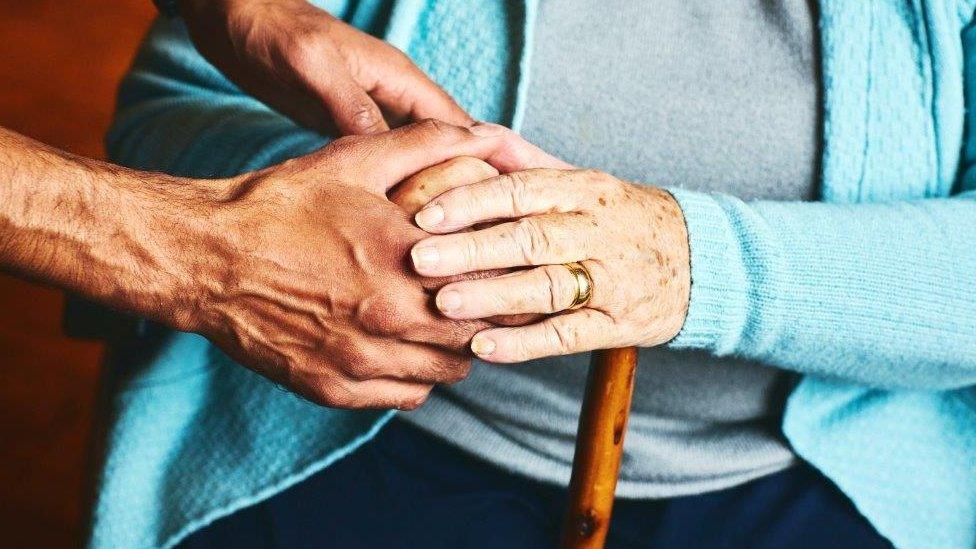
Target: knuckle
472 250
563 336
519 193
363 115
431 126
595 179
463 201
411 400
433 129
554 280
379 316
305 47
334 393
404 64
533 241
344 146
524 348
396 56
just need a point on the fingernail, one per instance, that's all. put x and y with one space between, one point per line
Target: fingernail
484 129
425 257
430 216
448 302
482 345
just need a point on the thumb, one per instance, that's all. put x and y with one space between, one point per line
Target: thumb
401 88
408 95
353 111
385 159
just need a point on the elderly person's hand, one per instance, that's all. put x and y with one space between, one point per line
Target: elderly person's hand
630 239
314 68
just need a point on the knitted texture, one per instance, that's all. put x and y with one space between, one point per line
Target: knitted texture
456 42
873 302
876 294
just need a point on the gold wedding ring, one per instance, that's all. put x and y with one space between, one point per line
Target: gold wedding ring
584 284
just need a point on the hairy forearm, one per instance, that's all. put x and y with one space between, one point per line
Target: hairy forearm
123 238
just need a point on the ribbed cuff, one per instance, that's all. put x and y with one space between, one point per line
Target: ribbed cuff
718 308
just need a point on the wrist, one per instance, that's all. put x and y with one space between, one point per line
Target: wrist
668 237
718 299
676 240
180 246
144 243
136 241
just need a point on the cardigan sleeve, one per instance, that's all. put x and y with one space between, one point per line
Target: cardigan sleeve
178 114
882 294
879 294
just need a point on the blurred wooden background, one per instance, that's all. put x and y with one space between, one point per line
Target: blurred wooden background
60 61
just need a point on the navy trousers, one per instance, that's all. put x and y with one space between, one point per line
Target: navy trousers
408 489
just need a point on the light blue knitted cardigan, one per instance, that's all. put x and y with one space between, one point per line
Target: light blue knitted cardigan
869 293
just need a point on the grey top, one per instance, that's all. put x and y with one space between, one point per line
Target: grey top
714 95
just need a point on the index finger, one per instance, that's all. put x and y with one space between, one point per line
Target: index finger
509 196
419 189
391 157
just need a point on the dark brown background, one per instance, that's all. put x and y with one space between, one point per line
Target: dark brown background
60 61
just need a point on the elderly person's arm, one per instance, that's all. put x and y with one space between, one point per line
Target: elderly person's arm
880 294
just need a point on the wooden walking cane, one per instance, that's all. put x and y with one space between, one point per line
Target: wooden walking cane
599 447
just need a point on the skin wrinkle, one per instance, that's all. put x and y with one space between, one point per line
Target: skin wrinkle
632 239
277 51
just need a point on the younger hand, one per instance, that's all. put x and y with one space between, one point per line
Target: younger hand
299 272
314 68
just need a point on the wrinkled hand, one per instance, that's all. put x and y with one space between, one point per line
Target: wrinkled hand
631 239
303 276
314 68
414 193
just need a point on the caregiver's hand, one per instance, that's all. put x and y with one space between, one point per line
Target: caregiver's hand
300 271
631 239
314 68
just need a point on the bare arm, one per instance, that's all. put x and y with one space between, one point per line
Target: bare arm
120 237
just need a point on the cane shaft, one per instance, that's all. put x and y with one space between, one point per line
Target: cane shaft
599 447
